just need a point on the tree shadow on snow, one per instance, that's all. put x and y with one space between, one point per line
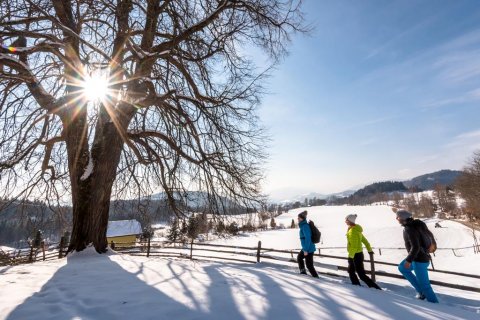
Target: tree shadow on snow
96 287
107 291
448 299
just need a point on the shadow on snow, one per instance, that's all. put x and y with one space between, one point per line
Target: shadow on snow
96 287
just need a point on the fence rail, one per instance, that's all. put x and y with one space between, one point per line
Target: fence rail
156 248
240 253
43 252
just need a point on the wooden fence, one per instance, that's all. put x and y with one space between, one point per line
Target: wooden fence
475 248
207 251
43 252
201 250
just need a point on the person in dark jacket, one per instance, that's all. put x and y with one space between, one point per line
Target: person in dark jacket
418 259
308 247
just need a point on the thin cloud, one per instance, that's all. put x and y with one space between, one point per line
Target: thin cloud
398 37
467 141
470 96
451 62
373 121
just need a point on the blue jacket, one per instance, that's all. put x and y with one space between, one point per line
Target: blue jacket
306 237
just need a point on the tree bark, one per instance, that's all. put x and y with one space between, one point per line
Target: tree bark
91 201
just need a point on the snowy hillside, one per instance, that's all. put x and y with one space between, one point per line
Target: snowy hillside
92 286
380 228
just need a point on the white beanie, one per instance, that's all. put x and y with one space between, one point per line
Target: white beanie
351 218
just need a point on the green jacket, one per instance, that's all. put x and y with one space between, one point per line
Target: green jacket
355 239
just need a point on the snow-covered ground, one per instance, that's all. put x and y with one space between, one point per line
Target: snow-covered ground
91 286
380 228
383 231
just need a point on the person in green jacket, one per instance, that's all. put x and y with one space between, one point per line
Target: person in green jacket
355 239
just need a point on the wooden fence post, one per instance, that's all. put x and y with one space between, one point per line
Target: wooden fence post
30 257
380 251
112 245
148 247
258 250
431 260
62 244
191 249
43 249
475 242
372 266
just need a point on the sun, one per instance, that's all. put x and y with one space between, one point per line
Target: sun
95 87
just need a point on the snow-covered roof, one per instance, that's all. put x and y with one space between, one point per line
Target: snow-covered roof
6 249
123 228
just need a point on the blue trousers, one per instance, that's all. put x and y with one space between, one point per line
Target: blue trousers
419 280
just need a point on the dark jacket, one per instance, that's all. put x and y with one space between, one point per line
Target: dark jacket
413 241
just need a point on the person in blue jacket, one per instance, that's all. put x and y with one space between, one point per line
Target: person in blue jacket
308 247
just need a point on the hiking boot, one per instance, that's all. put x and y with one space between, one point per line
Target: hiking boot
420 296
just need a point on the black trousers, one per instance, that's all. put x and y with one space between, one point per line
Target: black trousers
355 266
309 261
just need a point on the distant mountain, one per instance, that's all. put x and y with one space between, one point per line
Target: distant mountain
190 198
380 187
199 201
428 181
342 194
312 195
423 182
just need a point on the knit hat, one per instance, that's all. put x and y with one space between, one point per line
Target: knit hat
403 215
351 218
303 215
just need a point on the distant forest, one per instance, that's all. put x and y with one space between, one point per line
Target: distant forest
20 220
373 193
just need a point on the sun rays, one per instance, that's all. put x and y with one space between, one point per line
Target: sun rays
96 87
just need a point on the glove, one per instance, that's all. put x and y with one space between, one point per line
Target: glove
371 253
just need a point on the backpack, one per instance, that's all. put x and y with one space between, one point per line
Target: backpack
429 245
316 234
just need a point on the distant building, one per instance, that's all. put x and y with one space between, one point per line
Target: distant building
123 232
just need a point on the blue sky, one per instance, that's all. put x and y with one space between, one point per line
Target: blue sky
379 90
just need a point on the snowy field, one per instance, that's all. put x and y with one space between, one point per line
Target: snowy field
91 286
383 231
380 228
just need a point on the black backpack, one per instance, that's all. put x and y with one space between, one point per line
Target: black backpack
316 234
429 245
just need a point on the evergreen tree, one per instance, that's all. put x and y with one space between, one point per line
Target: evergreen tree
193 227
174 232
293 224
184 228
233 228
220 228
273 224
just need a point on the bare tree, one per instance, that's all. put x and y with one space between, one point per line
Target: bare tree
445 198
426 207
172 109
468 184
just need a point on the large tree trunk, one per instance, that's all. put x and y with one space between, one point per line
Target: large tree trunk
91 197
